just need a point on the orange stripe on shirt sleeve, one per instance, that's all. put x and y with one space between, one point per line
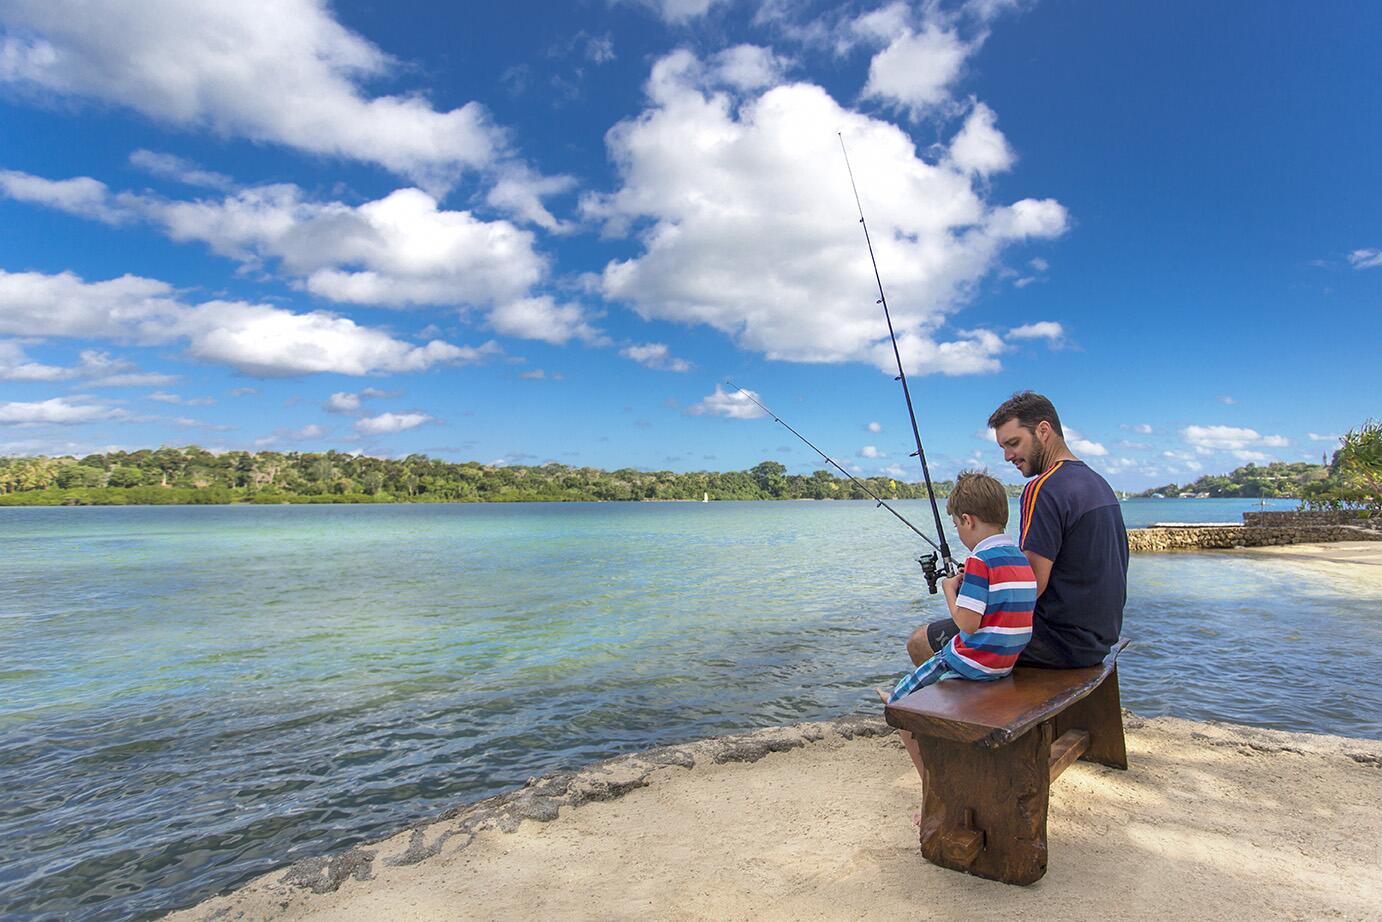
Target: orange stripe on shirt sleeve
1031 506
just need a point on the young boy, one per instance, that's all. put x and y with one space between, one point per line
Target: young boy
991 601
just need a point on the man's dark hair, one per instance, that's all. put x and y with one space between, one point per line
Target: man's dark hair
1028 408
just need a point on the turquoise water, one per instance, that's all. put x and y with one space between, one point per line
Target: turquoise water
196 695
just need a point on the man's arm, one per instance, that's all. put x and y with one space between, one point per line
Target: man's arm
1041 566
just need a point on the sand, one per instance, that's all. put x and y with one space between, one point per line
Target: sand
812 822
1355 560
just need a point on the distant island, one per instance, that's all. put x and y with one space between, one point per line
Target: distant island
192 475
1278 480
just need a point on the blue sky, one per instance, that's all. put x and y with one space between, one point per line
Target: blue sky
542 232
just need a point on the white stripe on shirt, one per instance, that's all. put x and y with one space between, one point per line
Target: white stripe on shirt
971 603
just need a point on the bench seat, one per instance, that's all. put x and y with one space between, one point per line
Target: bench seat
991 751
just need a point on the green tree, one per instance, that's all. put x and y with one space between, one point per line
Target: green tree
126 476
771 477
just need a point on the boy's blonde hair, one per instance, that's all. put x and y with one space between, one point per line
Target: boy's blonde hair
976 493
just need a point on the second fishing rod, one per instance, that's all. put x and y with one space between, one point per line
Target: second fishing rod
947 561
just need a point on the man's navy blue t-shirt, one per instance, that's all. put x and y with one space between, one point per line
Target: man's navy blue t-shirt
1071 517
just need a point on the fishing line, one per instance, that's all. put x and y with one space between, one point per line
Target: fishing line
863 486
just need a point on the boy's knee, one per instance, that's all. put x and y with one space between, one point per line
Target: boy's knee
918 647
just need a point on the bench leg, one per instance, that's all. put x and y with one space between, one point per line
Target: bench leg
1100 714
984 810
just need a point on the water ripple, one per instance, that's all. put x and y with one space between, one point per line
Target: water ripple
194 696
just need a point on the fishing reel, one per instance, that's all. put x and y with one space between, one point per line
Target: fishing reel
932 571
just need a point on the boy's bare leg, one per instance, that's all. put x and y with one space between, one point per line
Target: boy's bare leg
909 742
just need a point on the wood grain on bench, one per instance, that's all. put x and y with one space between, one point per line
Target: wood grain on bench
993 714
990 751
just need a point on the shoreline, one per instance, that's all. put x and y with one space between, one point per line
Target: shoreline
811 821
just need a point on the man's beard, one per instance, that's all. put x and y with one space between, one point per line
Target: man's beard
1036 459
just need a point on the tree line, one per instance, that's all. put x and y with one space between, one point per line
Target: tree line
194 475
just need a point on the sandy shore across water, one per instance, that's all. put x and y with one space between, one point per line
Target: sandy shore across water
812 822
1356 560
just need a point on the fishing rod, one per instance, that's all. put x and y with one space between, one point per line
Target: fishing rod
928 563
920 453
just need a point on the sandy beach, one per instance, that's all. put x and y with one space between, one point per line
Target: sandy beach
811 822
1358 560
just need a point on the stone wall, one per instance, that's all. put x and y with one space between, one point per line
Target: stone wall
1197 537
1311 518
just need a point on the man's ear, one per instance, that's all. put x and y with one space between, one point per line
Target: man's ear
1043 431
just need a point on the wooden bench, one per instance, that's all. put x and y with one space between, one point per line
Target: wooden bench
991 751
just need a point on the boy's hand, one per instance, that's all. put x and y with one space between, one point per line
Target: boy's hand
951 584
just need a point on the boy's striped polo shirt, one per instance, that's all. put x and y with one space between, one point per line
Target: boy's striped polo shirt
1000 587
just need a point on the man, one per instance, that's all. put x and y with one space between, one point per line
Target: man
1071 529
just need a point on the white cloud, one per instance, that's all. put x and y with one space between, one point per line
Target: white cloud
1317 437
871 451
398 251
1039 264
874 427
258 339
133 379
1143 428
16 366
1083 446
1365 259
1255 457
179 400
678 12
288 75
1230 438
980 147
916 69
270 342
386 423
1045 329
168 166
82 196
747 67
342 402
62 411
764 247
519 191
733 405
1226 400
542 318
308 433
655 355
